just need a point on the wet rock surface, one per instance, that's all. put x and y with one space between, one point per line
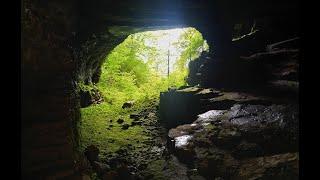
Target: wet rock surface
228 141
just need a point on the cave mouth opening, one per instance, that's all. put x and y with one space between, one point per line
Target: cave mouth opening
148 62
132 76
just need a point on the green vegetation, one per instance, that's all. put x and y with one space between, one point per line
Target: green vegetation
96 130
137 70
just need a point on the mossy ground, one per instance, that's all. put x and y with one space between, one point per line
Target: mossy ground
99 126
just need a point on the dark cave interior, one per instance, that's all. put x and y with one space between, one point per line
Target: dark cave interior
237 118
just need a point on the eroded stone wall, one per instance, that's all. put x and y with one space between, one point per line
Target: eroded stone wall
49 102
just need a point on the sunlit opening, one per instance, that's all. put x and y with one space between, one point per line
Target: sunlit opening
170 44
154 58
133 75
149 62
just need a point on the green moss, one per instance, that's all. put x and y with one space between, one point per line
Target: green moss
95 128
91 88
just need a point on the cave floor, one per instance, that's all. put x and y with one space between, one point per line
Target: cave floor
236 136
138 151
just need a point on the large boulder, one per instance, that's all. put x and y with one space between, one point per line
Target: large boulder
222 143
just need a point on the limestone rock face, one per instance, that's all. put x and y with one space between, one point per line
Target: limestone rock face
227 142
249 71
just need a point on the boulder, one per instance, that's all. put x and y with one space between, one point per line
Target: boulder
120 121
178 107
127 104
221 142
179 142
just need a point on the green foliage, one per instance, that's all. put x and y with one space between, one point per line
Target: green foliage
193 44
84 87
96 121
131 72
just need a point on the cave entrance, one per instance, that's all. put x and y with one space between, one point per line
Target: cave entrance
148 62
132 77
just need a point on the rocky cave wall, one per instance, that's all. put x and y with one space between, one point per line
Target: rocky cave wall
216 20
50 109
